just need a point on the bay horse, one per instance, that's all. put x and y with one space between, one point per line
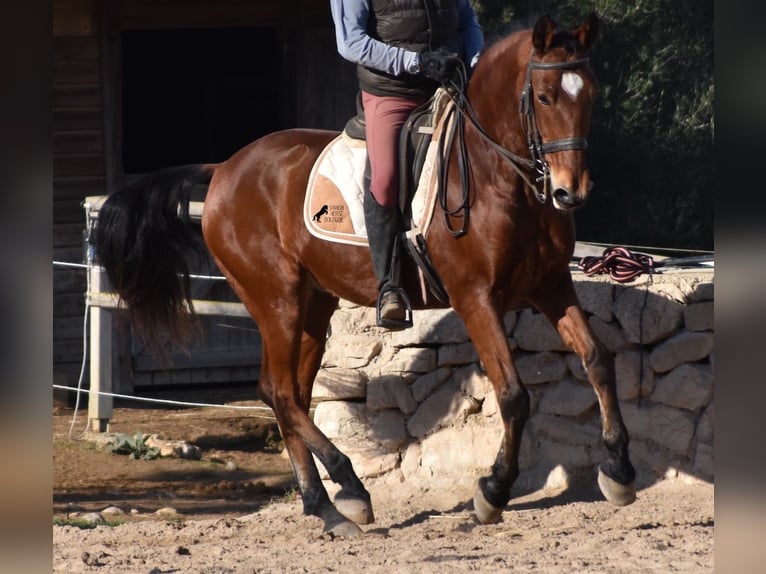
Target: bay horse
527 172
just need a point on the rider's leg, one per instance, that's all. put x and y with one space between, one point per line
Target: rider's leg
384 117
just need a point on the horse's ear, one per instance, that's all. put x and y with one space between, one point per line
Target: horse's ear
587 33
542 35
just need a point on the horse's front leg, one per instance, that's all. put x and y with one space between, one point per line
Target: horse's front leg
484 323
616 477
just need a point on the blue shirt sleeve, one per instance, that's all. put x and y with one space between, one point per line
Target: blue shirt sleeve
356 46
470 32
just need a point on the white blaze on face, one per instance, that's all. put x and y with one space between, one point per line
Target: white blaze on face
571 83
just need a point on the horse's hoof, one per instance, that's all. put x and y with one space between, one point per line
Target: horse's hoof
614 492
485 512
356 509
343 529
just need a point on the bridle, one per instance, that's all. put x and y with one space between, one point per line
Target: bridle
538 148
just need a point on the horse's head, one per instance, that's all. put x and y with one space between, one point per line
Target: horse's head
556 105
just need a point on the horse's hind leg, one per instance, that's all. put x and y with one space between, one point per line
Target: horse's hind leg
616 475
291 403
352 501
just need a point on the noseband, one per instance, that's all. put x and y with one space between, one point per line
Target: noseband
538 148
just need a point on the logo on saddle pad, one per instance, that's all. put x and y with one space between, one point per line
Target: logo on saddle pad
333 207
318 215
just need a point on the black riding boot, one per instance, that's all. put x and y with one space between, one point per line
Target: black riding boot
393 309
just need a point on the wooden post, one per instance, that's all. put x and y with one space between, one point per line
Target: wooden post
103 303
99 406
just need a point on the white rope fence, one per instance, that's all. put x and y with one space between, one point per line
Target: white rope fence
79 390
167 401
88 267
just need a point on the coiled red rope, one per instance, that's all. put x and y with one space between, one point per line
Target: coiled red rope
621 265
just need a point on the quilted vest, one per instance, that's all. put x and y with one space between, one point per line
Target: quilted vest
414 25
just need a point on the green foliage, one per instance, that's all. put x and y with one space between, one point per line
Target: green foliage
134 446
82 523
289 496
652 133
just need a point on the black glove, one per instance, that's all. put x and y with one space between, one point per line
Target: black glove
439 65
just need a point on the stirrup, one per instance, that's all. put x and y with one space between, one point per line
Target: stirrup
393 324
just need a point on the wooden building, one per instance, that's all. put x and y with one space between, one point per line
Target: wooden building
143 84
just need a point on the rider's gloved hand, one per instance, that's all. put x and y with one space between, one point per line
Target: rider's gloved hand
439 65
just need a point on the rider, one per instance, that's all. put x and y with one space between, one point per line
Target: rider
403 50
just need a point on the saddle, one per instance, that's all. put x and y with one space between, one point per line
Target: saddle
340 178
414 141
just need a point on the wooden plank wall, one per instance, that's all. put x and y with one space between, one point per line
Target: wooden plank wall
78 170
317 89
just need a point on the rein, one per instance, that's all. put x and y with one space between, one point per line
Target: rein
537 148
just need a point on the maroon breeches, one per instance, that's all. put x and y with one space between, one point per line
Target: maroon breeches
384 117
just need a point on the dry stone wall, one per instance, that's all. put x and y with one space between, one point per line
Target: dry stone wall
416 406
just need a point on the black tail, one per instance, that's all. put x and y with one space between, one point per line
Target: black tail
143 239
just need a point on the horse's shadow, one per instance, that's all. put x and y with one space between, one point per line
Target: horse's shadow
568 496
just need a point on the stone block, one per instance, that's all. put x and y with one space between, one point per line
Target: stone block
668 427
705 429
703 461
534 332
387 428
575 366
687 387
446 406
647 317
411 460
474 382
342 420
432 326
353 320
568 398
609 334
369 461
460 451
700 316
456 354
682 348
596 298
564 431
703 291
539 368
634 375
390 392
567 455
649 458
335 384
510 321
351 351
428 383
411 360
489 406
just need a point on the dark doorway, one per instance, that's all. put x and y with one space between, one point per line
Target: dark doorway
196 95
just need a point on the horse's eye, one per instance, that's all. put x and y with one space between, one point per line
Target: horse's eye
544 100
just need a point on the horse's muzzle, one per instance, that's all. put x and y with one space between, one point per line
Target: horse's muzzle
566 199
